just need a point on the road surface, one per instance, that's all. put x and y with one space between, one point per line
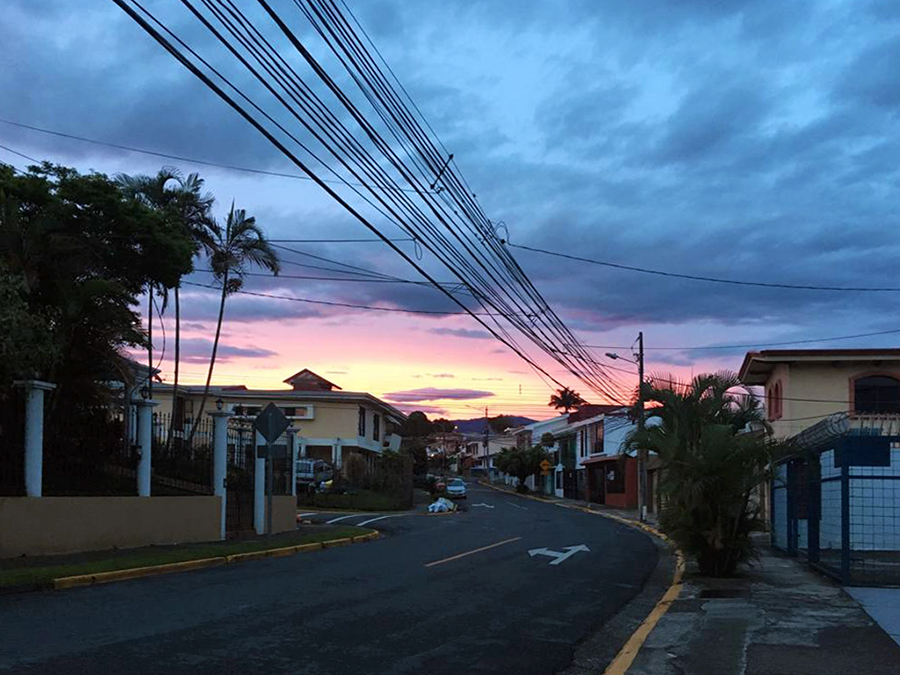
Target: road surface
441 594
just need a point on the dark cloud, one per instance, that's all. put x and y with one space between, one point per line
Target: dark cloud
198 350
462 332
435 394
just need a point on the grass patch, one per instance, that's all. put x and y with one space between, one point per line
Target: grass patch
42 571
364 500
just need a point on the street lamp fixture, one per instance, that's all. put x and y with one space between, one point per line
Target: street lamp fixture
219 404
145 392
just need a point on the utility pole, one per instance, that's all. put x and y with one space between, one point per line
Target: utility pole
642 451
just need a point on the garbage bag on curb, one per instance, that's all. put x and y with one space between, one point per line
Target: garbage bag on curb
441 505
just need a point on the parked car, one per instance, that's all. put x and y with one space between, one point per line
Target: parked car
456 489
312 472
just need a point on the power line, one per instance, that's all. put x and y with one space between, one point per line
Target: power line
165 155
20 154
717 280
892 331
336 241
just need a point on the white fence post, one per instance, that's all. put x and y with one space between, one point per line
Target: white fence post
259 486
220 460
34 434
145 444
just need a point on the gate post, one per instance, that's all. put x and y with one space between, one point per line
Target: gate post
292 453
259 486
145 443
34 434
220 460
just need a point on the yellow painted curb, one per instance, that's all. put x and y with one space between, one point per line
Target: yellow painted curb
170 568
136 573
623 660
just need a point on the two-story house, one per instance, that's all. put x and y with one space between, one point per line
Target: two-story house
329 423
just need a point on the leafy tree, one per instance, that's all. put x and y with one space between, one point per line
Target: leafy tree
414 432
442 425
181 200
79 254
240 244
500 423
566 399
714 453
521 463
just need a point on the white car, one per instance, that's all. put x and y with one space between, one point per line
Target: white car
456 489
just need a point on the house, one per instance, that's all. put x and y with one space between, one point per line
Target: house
330 423
835 498
587 455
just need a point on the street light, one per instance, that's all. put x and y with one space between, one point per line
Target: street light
145 392
219 404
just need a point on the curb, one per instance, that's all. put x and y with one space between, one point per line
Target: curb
626 655
204 563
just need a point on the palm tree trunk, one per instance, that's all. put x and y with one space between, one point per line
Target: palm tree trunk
212 361
150 340
175 381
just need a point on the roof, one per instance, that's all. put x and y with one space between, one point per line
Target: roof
757 366
592 410
298 395
308 376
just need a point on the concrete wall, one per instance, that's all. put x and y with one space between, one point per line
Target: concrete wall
48 525
284 513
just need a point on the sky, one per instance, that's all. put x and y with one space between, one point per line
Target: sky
743 139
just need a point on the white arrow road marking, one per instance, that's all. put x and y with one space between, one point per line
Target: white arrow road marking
487 506
556 555
352 515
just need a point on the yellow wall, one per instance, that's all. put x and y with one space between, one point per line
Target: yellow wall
828 383
48 525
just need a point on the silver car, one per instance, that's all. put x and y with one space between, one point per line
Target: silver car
456 489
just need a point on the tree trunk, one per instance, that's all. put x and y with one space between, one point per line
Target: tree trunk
175 380
212 361
150 340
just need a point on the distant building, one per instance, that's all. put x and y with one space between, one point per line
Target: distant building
332 423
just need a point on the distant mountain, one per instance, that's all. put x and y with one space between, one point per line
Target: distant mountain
476 426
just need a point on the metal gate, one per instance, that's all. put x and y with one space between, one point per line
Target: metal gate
239 478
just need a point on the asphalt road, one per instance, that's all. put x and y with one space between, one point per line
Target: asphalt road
446 594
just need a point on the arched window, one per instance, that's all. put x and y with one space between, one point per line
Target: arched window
876 394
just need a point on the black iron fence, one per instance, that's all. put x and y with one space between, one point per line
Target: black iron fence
182 456
838 505
12 443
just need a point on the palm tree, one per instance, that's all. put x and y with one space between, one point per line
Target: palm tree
567 399
239 244
183 199
714 450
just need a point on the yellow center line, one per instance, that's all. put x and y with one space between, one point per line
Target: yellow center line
477 550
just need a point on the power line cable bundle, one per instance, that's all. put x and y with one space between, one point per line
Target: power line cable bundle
392 166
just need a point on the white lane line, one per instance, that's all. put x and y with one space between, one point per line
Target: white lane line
524 508
313 513
372 520
352 515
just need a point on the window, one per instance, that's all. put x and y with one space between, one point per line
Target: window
582 442
597 446
876 394
774 402
376 427
362 422
289 412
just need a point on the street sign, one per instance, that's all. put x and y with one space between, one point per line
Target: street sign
556 555
545 466
271 423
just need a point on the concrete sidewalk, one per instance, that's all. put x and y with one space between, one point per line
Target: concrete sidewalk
778 618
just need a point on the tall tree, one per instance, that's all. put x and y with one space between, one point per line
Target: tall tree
567 399
181 200
80 253
714 453
240 244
